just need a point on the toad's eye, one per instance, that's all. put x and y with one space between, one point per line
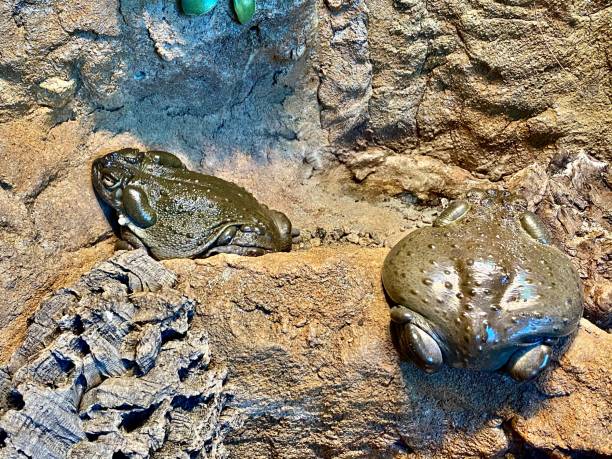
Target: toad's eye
110 181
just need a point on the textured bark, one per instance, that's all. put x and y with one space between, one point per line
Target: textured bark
108 368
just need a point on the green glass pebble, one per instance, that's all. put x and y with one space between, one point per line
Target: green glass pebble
197 7
245 9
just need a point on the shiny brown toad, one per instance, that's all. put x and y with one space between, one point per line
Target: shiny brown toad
483 288
177 213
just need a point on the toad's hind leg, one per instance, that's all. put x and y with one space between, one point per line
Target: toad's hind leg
526 364
416 343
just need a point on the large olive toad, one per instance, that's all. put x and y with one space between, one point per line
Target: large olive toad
176 213
483 288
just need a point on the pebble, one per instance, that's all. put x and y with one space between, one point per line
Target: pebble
197 7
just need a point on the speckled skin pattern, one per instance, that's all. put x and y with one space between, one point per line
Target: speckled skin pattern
177 213
482 288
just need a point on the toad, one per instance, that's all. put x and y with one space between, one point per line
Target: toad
483 288
176 213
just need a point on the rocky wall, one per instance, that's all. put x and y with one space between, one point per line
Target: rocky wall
417 99
359 119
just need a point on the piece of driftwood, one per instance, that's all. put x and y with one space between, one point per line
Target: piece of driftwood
109 368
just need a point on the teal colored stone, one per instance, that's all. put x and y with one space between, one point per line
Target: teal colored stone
197 7
245 9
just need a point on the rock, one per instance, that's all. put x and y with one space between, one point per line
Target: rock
83 225
346 69
306 339
101 18
416 97
56 92
422 176
111 51
575 414
20 271
13 98
576 208
364 163
531 183
485 87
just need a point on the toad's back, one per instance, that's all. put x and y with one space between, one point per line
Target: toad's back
484 285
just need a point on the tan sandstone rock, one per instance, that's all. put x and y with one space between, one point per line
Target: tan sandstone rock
306 337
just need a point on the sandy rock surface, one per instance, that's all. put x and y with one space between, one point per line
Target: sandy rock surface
306 337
